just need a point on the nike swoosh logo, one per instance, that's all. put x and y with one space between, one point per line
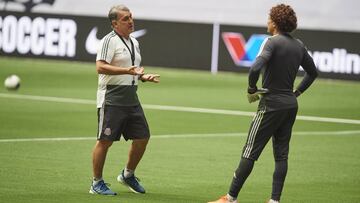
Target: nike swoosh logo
138 33
92 41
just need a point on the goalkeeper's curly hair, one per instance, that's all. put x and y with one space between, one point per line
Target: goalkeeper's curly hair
284 17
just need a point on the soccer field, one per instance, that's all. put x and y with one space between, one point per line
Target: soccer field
198 123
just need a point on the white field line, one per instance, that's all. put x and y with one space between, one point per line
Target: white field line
175 108
341 133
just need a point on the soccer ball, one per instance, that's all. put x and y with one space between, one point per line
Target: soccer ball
12 82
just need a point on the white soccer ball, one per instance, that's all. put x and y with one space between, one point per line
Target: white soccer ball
12 82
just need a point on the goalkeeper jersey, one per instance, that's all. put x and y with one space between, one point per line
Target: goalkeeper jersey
118 90
279 58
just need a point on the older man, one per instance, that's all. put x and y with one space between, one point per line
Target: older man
119 110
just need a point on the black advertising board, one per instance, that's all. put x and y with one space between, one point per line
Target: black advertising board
170 44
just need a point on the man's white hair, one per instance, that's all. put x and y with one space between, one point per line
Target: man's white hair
113 13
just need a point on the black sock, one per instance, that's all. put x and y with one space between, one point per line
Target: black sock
242 172
278 179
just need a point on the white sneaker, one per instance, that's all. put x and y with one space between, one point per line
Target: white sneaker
101 188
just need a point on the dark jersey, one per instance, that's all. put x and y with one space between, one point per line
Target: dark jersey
280 58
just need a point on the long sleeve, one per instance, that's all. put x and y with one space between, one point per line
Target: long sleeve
310 72
260 62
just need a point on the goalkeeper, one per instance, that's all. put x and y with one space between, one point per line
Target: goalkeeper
279 58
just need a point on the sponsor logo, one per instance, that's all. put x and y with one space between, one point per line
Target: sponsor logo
92 42
242 53
38 36
23 5
138 33
337 61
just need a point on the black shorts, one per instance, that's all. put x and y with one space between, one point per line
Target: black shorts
128 121
275 124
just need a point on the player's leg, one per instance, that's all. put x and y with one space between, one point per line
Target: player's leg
240 175
99 155
279 175
98 186
281 140
261 129
127 175
108 132
136 129
136 152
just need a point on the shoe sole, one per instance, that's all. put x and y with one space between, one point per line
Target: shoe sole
126 185
95 193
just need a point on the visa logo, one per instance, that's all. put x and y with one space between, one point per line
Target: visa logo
243 53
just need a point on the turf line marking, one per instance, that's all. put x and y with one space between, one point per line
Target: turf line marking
341 133
175 108
48 99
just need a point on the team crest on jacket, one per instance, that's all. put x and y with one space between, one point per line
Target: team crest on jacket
107 131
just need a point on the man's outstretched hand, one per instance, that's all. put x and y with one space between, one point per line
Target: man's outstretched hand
150 77
134 70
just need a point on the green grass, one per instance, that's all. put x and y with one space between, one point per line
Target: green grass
322 168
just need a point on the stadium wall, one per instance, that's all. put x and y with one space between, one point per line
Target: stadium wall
170 44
